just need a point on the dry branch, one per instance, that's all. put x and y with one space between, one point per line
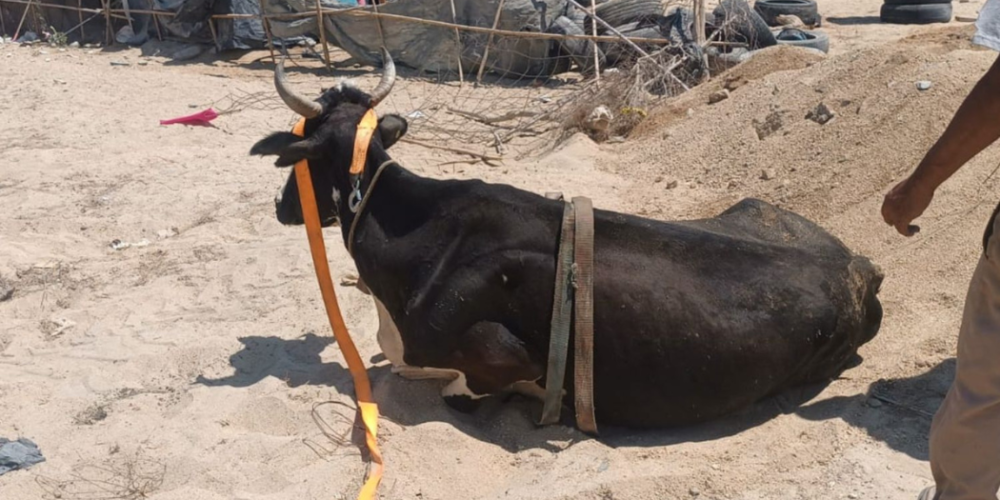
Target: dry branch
458 45
489 41
484 157
490 120
17 32
593 31
322 36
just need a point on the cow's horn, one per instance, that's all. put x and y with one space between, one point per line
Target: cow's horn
299 104
388 78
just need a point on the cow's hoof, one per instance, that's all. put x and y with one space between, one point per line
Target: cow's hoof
464 404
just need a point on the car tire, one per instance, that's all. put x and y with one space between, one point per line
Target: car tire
916 2
813 39
739 23
580 51
769 10
678 27
617 53
621 12
735 56
916 13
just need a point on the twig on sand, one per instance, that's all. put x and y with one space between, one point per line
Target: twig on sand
897 404
490 120
130 477
488 159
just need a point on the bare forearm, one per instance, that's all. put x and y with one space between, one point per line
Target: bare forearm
975 126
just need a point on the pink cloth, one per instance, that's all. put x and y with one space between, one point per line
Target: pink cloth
201 118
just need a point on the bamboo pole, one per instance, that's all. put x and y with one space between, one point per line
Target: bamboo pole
79 4
270 41
458 42
81 24
699 21
17 32
322 36
593 31
267 30
378 24
128 16
3 25
215 37
107 22
156 22
489 40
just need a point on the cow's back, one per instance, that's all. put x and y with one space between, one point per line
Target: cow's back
697 319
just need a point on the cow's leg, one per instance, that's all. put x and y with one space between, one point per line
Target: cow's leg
418 373
490 359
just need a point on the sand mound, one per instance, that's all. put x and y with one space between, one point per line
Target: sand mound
882 124
765 62
768 61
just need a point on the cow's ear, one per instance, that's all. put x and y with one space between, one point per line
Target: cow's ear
391 128
289 148
274 144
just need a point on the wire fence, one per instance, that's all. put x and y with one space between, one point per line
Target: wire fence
474 84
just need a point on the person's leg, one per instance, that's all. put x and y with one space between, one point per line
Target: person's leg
965 434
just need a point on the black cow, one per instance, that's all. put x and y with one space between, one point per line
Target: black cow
693 319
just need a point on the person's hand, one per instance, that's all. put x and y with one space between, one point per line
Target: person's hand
904 203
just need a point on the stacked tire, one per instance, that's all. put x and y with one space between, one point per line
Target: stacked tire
770 10
916 11
777 13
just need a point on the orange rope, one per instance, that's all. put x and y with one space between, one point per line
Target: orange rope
362 386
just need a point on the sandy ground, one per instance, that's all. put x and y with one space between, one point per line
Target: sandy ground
191 367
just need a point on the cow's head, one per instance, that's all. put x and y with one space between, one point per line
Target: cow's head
331 124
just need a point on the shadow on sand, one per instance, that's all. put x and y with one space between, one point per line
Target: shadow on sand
900 417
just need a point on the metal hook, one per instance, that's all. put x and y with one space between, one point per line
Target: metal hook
355 198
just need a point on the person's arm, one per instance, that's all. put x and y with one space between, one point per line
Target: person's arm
975 126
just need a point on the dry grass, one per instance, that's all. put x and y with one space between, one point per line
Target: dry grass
128 477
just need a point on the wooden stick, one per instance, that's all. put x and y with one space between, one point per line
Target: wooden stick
458 41
593 29
156 22
107 22
215 37
489 40
79 5
81 24
699 21
484 157
17 32
378 24
128 16
491 120
322 36
270 41
3 25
